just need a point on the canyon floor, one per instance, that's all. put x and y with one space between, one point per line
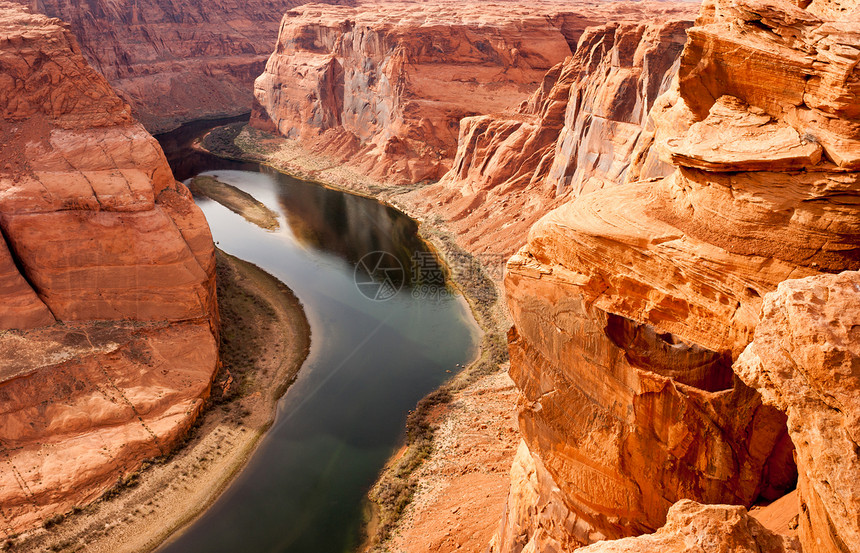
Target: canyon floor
462 486
448 496
265 340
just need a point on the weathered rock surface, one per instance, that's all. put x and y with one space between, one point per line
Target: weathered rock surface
174 60
585 127
805 360
691 526
384 86
626 419
102 400
630 303
108 332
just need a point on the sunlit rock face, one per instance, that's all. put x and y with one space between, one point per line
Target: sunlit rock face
805 360
384 86
585 127
175 60
631 303
712 528
108 326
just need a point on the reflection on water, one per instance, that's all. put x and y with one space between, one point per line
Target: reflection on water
343 224
370 360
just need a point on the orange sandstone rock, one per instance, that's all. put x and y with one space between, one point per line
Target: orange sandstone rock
805 360
672 273
585 127
387 84
384 86
111 399
705 528
98 237
173 60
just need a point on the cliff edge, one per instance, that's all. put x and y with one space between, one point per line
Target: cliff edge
631 304
108 332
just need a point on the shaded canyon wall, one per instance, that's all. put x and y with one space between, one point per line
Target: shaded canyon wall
175 61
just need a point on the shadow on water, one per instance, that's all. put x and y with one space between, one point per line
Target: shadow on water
370 360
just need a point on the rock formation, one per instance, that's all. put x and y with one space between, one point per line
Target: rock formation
631 303
707 528
805 360
174 60
585 127
384 86
108 332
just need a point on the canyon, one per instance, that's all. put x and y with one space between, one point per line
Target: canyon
175 61
109 331
637 306
677 206
666 177
675 187
383 87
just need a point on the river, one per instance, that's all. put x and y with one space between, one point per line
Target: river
383 335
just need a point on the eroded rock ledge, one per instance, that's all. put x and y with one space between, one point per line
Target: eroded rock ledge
384 86
632 303
108 332
585 128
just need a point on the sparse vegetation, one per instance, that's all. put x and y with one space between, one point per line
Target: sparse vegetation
221 141
394 490
52 521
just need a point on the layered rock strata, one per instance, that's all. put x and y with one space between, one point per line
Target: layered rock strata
174 60
384 86
585 127
631 303
108 331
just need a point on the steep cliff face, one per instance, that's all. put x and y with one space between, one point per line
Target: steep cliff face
384 86
109 324
630 303
175 60
586 127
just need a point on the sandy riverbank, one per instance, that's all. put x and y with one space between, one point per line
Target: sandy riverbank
265 340
236 200
430 476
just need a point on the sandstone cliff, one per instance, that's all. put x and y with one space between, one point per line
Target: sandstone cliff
631 303
707 528
108 331
175 60
383 87
585 127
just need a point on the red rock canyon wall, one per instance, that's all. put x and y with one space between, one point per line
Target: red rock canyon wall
585 127
175 60
384 87
631 303
108 327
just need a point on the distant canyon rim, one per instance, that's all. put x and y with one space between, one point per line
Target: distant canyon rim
675 187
